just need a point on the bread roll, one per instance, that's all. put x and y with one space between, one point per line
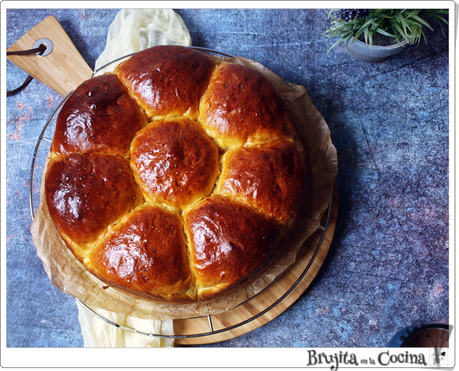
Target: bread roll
168 81
86 193
268 177
145 253
240 107
100 116
177 177
229 241
174 162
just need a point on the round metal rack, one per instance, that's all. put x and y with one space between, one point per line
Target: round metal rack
323 228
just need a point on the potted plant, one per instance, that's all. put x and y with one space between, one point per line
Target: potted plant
372 35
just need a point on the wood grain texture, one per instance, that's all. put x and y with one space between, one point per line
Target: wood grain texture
256 306
63 69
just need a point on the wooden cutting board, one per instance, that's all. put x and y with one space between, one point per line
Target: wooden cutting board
63 69
272 301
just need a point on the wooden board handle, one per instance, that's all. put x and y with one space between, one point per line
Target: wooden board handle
63 69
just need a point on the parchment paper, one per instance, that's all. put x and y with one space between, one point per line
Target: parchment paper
70 276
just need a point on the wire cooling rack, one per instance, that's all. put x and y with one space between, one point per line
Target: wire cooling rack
46 136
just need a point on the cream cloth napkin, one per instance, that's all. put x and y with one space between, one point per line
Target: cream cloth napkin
98 333
132 30
138 29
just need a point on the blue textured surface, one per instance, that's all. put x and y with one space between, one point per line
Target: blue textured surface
388 264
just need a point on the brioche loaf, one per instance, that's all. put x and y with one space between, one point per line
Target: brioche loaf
177 177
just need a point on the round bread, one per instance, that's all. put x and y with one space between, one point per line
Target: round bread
229 241
174 162
177 177
100 116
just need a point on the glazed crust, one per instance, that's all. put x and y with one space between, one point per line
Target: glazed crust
85 193
100 116
270 177
229 241
174 162
146 254
176 178
167 81
241 107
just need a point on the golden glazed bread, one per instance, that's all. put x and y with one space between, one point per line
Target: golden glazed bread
177 177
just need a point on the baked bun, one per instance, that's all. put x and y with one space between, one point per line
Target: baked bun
100 116
229 241
174 162
268 177
240 107
86 193
147 254
168 81
177 177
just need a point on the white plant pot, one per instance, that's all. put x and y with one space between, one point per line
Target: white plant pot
375 53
